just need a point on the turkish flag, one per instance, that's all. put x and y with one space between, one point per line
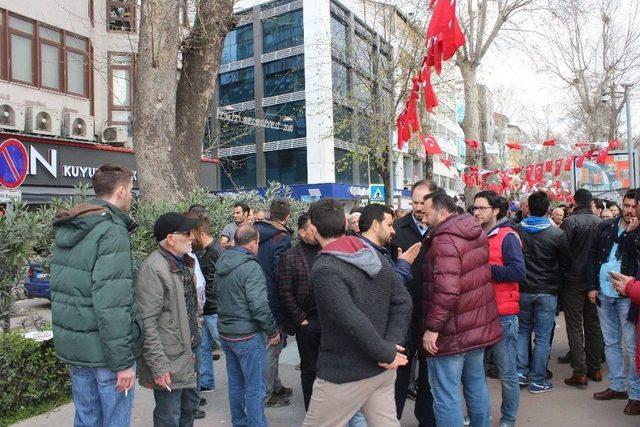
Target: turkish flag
529 174
568 162
472 143
558 168
443 36
447 163
549 143
548 166
514 146
404 132
412 114
430 145
430 99
581 159
582 144
589 154
614 144
602 156
538 176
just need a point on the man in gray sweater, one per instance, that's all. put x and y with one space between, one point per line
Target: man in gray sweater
364 314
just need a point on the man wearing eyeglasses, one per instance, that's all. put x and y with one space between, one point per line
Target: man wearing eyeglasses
166 294
410 230
507 270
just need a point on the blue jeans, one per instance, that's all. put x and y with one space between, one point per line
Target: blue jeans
537 315
504 355
209 336
619 342
177 407
245 372
97 401
358 420
446 374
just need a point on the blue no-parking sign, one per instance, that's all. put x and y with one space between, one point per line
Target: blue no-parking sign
13 163
376 193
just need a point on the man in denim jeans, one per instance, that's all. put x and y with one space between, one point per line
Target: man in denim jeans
546 256
507 270
97 326
244 317
614 251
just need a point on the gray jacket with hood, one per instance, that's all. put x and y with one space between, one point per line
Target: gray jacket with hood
364 310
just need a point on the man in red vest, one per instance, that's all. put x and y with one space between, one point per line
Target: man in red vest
507 270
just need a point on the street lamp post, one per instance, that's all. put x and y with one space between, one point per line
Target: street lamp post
632 166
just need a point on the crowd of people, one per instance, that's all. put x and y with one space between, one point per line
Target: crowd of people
371 297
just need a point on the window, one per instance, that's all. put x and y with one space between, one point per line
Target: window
121 15
238 172
275 4
42 56
22 53
282 31
365 130
284 76
342 122
236 86
51 58
343 166
121 78
362 88
363 51
292 113
235 134
287 166
340 77
238 44
339 33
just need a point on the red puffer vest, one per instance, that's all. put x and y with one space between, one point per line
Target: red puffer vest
633 292
507 293
458 300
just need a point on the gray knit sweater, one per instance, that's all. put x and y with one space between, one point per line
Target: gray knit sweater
363 308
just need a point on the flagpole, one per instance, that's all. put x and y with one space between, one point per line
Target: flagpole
632 166
392 170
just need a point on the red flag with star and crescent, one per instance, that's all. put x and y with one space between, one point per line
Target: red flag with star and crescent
430 144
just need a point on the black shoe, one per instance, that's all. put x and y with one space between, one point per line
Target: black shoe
216 356
549 374
275 401
492 373
204 389
199 414
284 392
565 359
203 401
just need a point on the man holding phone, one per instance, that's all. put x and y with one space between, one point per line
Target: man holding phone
612 254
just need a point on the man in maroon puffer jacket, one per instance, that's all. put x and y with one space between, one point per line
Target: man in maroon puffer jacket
461 315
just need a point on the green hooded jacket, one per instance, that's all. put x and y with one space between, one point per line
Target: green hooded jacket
96 322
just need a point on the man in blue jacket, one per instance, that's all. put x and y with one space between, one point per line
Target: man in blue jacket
275 239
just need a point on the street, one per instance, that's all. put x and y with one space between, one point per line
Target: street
564 406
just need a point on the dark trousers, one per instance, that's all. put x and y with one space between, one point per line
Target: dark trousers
308 339
583 329
424 400
175 408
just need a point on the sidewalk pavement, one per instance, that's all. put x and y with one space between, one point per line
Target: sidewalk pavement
564 406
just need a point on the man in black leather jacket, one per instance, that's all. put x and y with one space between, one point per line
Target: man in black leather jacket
581 316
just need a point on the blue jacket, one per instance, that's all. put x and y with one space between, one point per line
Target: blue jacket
275 239
401 267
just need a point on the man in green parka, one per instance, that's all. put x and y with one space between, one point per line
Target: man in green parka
97 328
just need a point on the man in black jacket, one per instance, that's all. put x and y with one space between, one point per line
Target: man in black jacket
299 305
581 316
410 230
614 250
208 251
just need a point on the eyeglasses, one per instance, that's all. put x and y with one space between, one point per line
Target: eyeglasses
182 233
481 208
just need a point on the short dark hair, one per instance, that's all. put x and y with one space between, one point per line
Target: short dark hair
280 209
630 194
356 209
539 203
425 183
198 209
373 212
327 215
204 223
245 207
583 197
599 203
441 200
245 234
108 177
504 207
303 220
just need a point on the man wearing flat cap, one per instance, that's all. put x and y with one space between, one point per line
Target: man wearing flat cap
166 294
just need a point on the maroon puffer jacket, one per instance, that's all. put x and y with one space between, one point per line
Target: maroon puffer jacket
458 299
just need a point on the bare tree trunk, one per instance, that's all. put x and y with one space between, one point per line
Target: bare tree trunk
471 122
155 100
201 60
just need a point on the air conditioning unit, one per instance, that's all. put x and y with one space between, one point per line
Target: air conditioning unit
43 121
78 126
11 115
115 135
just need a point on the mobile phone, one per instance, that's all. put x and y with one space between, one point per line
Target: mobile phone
613 273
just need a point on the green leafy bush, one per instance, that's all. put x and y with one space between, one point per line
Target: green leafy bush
31 374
